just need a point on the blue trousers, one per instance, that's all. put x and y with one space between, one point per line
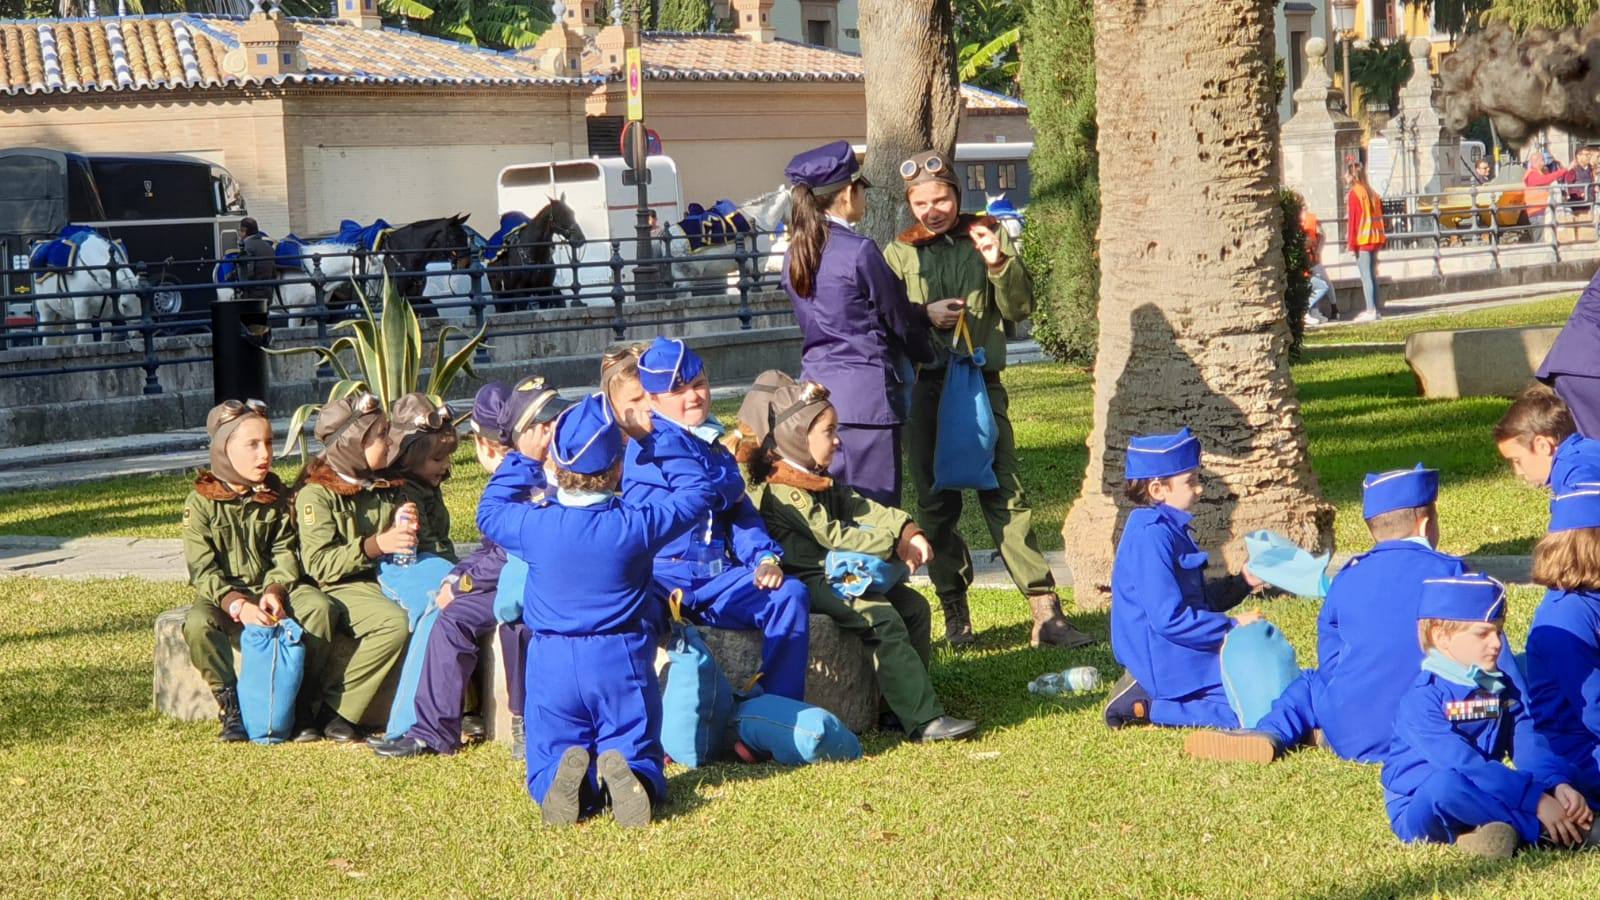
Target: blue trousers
732 600
450 658
598 692
1202 709
1448 804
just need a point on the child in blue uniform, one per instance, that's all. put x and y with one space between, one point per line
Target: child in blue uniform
593 713
1538 437
1445 779
1167 621
728 567
1367 651
1563 660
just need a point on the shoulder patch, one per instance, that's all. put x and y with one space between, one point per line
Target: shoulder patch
800 499
188 512
465 583
308 513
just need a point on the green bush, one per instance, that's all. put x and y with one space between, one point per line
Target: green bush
684 15
1296 269
1064 206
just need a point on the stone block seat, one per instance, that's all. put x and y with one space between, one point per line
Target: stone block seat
841 678
1479 362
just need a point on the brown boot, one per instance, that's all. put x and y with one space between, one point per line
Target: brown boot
957 622
1051 627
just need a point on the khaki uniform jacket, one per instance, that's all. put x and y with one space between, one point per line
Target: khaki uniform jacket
337 519
236 545
810 515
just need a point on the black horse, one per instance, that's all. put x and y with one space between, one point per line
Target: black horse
409 249
524 269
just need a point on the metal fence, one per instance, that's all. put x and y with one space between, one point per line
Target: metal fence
466 290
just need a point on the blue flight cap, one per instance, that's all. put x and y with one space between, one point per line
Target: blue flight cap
487 406
587 440
826 169
1383 492
1161 455
531 402
1470 597
668 364
1578 508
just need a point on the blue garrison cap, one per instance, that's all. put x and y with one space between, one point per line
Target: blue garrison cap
530 402
1161 455
825 169
587 440
1471 597
1383 492
488 404
1577 508
668 364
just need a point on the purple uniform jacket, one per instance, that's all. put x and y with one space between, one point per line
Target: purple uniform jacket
1577 347
480 570
860 330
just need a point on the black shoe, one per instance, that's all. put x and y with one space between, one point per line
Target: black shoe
228 714
307 734
630 801
564 800
403 748
1128 703
472 729
340 731
945 728
519 738
888 721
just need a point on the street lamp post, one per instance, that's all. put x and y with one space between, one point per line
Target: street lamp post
1344 23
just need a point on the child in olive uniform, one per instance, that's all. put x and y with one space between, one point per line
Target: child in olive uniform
347 519
424 436
788 436
239 543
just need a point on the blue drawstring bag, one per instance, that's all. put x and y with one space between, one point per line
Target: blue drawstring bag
697 704
272 665
1279 562
794 733
1258 665
853 575
963 450
414 587
508 592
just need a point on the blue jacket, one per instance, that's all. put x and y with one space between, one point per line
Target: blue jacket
1367 651
1564 675
1427 742
1164 627
857 324
1577 460
589 568
671 459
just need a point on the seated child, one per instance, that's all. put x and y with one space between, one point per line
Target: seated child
1538 437
1444 778
239 543
1563 660
424 439
788 437
1167 620
1366 651
466 599
347 522
728 567
619 381
594 703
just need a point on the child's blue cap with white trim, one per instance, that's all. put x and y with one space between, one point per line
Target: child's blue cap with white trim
1162 455
1383 492
587 439
667 365
1471 597
1577 508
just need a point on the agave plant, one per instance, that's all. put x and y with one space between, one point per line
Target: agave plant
387 352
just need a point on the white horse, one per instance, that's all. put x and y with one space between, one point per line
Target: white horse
90 274
693 271
338 262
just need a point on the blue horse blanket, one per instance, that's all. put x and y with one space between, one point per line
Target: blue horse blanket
715 226
367 237
496 244
60 252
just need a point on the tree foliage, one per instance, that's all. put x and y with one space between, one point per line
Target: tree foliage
1523 15
684 15
1381 70
500 24
988 42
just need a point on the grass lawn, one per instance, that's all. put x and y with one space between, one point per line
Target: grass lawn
100 796
1360 408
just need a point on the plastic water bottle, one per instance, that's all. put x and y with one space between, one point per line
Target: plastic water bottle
405 516
1070 681
708 556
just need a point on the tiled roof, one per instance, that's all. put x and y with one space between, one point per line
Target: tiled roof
164 52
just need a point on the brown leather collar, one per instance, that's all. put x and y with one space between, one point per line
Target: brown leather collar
786 474
319 472
918 235
211 488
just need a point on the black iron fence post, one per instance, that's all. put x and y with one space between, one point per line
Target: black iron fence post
619 325
475 273
742 258
147 302
319 291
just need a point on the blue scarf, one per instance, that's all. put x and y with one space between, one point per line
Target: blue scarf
1466 676
709 431
582 498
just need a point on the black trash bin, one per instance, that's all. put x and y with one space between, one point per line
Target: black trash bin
240 335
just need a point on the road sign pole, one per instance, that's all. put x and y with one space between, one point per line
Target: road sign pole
644 270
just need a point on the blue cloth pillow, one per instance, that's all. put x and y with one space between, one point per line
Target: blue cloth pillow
1279 562
414 587
272 665
963 450
853 575
508 592
697 703
1258 665
794 733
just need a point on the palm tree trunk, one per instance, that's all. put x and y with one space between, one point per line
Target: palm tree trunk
1192 328
913 97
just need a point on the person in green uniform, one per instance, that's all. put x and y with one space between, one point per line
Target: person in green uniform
239 543
788 435
950 256
425 442
347 519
